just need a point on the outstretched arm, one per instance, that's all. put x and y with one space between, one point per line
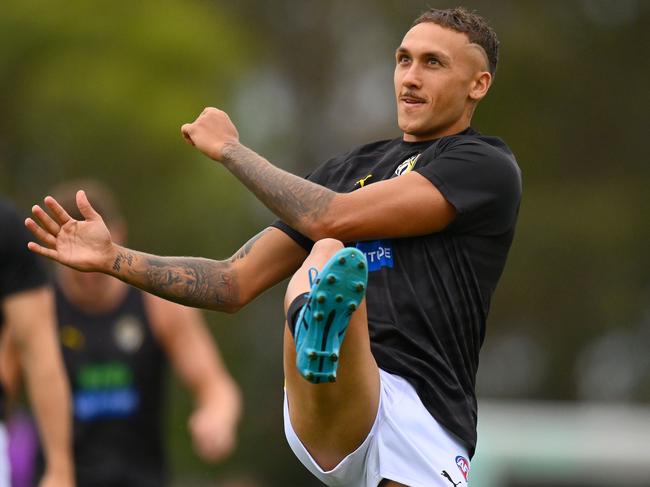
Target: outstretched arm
225 285
183 334
406 206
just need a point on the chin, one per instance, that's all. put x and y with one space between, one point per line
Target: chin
413 124
413 130
410 127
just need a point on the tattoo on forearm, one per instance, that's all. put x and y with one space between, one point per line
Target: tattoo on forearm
245 250
292 198
121 257
192 281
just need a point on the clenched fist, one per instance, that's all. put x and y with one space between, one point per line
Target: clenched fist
211 132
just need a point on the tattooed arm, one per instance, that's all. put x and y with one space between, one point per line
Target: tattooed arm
405 206
226 285
191 281
300 203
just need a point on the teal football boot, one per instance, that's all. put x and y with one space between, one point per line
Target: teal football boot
320 329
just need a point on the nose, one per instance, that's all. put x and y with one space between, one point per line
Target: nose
412 78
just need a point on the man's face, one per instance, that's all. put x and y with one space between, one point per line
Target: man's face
439 76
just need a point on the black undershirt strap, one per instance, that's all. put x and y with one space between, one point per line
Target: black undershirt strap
294 309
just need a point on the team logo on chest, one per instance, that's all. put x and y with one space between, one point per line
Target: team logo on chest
407 166
71 337
128 334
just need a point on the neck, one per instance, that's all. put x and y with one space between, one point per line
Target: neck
458 125
432 136
101 296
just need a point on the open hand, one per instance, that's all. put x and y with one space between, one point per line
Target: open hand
83 245
210 132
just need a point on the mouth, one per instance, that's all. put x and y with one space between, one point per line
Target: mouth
411 100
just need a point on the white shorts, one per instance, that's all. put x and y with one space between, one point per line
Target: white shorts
405 444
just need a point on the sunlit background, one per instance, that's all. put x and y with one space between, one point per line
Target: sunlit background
99 89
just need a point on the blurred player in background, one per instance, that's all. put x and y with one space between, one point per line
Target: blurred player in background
28 332
116 343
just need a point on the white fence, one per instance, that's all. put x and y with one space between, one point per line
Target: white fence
533 444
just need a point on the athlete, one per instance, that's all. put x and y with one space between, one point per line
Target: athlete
116 342
28 329
379 390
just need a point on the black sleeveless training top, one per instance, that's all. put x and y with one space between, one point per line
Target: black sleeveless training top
115 368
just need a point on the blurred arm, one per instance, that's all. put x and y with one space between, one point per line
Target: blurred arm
30 319
194 355
9 367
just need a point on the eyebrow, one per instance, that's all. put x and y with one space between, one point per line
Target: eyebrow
437 54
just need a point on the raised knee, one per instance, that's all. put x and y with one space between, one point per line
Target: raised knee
328 246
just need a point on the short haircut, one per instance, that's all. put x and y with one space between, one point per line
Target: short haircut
100 197
469 23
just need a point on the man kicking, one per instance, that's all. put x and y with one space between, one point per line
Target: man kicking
378 390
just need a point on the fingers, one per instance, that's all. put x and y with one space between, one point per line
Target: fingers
45 252
185 130
60 215
46 220
45 237
85 207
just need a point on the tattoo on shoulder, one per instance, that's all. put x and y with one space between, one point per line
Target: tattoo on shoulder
248 246
122 257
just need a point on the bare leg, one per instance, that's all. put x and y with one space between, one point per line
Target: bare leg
332 419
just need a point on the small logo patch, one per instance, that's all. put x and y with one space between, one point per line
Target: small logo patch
407 166
98 404
379 253
129 334
105 390
72 338
463 466
446 475
361 182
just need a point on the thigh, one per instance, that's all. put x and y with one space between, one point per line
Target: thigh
332 419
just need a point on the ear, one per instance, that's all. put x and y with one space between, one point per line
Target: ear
480 86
